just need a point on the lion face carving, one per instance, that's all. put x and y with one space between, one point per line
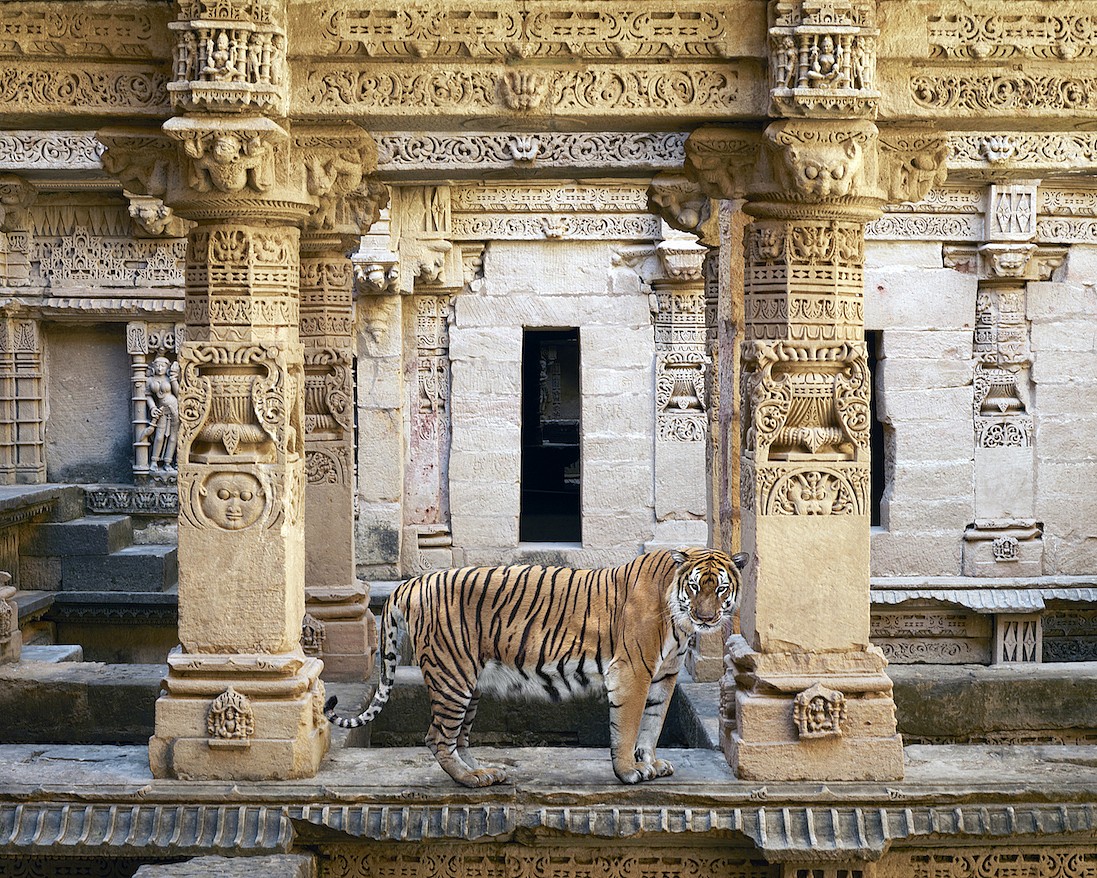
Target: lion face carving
821 168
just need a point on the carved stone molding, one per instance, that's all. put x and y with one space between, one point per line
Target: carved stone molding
694 29
1025 33
390 91
49 150
125 32
413 153
721 160
73 89
1002 93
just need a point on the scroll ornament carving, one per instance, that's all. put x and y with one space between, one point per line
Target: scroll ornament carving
230 719
985 37
327 464
812 490
483 29
476 152
37 29
680 395
823 58
49 149
819 712
1006 93
1019 862
69 88
595 91
328 392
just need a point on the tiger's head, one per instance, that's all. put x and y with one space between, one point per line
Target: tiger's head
706 587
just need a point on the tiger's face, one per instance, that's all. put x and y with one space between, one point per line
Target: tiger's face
706 587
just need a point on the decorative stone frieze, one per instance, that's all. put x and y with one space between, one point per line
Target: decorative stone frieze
932 635
456 154
396 91
230 721
125 32
996 156
49 150
696 29
682 205
73 89
1023 33
1022 862
911 163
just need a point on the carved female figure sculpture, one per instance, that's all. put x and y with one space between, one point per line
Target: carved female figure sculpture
162 396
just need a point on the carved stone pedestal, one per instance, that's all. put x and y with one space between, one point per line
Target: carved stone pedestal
11 641
804 716
340 628
240 717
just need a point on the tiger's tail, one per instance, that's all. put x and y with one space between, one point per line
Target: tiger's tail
392 625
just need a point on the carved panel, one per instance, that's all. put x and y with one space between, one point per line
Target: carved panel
1015 862
230 719
1017 638
22 403
932 636
484 29
981 36
508 861
606 90
417 151
1070 635
153 350
574 227
1005 93
818 712
72 89
52 150
135 32
547 197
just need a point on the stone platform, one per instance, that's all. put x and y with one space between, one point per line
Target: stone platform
102 801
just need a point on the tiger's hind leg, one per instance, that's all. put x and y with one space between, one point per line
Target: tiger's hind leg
452 710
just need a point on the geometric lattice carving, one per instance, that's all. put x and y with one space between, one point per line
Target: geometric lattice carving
1018 638
22 403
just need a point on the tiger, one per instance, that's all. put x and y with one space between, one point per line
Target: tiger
554 632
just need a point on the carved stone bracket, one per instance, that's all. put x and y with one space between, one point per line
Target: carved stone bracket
338 161
911 163
721 160
682 205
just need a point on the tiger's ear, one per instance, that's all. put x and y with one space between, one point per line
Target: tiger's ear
740 559
680 555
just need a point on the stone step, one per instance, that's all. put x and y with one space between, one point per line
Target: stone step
53 653
90 535
151 568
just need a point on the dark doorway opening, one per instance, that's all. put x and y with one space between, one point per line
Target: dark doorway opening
876 431
551 461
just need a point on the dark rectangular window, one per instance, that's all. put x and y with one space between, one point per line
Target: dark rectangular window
551 459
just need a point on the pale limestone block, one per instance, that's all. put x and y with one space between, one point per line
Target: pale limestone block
1066 438
493 343
1065 401
1063 367
485 379
610 485
471 531
632 527
1081 264
832 759
917 553
979 558
946 513
915 441
1073 553
610 447
919 299
379 320
472 312
828 609
472 435
910 374
380 384
606 410
923 344
1004 483
630 381
933 480
616 347
380 455
1063 335
674 532
626 311
483 497
766 719
681 479
1054 301
1058 480
493 466
938 404
902 254
547 268
705 662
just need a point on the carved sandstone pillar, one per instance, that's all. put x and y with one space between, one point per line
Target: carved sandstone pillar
338 625
812 700
242 700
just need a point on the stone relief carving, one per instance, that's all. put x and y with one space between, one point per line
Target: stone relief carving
329 393
721 160
911 164
985 37
95 32
313 635
335 88
989 155
230 719
68 88
572 227
680 202
156 395
546 198
1019 862
822 160
229 160
433 314
823 58
49 150
1003 93
417 151
1068 635
1018 639
22 403
819 712
152 217
1002 352
481 29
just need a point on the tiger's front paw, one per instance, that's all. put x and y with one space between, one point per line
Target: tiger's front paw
639 772
662 768
483 777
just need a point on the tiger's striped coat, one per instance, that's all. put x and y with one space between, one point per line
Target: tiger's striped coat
554 632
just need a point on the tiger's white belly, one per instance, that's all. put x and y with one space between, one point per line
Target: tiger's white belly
507 681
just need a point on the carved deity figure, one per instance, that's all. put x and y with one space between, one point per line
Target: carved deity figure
826 65
220 63
162 396
786 63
